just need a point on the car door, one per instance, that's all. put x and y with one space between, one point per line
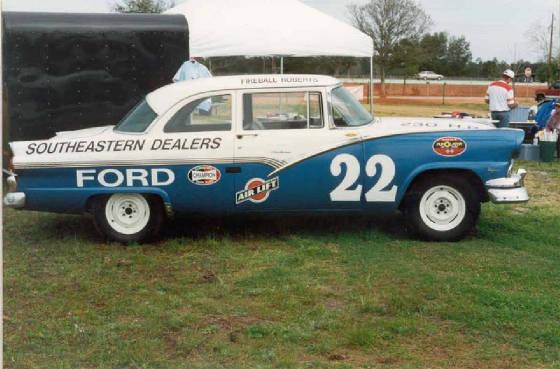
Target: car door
196 141
288 156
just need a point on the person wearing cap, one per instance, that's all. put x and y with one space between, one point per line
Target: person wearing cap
500 98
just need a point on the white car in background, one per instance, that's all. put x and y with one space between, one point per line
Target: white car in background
429 75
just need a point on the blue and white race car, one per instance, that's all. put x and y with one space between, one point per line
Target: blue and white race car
267 143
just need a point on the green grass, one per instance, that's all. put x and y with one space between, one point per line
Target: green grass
304 292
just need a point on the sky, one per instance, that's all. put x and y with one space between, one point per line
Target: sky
494 28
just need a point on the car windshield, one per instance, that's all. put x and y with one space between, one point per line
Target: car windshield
137 119
347 111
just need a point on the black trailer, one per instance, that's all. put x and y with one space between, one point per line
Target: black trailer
64 71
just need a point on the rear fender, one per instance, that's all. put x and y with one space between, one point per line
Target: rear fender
77 200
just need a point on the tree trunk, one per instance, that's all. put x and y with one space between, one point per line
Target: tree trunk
382 77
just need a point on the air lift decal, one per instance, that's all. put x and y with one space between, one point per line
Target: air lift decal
449 146
257 190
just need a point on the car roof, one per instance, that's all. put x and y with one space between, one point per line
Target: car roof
165 97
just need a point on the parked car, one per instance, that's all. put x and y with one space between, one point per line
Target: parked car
552 91
429 75
270 143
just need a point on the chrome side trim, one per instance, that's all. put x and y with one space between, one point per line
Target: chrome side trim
274 163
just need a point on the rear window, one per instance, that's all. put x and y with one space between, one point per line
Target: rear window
137 119
282 110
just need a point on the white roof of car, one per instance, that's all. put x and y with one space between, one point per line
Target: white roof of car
165 97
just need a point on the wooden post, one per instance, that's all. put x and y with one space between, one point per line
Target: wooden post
371 84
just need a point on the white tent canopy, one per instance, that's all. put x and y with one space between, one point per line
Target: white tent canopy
268 28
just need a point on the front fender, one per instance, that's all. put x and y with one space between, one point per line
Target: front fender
483 170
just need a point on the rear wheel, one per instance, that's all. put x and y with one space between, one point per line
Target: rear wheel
442 208
128 217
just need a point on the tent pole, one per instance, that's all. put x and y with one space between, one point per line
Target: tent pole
371 84
281 65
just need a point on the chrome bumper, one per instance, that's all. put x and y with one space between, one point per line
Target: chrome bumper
508 190
13 199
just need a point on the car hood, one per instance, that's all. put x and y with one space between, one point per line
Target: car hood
388 126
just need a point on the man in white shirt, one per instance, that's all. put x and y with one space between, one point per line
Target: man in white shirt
501 99
192 69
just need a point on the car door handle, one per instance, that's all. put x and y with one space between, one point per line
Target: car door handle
233 169
241 135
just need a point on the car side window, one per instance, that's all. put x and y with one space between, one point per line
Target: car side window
282 110
203 115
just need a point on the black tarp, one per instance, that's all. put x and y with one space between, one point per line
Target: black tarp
64 71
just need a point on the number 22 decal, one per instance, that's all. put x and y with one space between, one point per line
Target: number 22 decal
377 193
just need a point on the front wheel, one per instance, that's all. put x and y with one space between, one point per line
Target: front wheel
128 217
442 208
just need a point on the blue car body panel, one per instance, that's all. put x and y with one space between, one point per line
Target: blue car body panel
303 186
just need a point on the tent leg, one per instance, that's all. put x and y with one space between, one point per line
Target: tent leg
371 84
281 65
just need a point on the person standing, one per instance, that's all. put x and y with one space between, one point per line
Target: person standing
553 124
500 98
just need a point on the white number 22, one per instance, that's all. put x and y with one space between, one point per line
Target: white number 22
377 192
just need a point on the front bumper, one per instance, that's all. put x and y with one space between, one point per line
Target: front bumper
508 190
13 199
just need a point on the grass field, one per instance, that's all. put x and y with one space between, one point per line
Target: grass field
303 292
429 107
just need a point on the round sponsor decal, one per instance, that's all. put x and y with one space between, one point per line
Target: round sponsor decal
253 184
257 190
204 175
449 146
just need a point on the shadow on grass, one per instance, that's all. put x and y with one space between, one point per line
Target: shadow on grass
501 227
278 226
42 227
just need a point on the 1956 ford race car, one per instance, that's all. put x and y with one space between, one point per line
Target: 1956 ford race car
268 143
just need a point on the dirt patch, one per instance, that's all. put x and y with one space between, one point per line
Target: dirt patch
543 189
208 276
